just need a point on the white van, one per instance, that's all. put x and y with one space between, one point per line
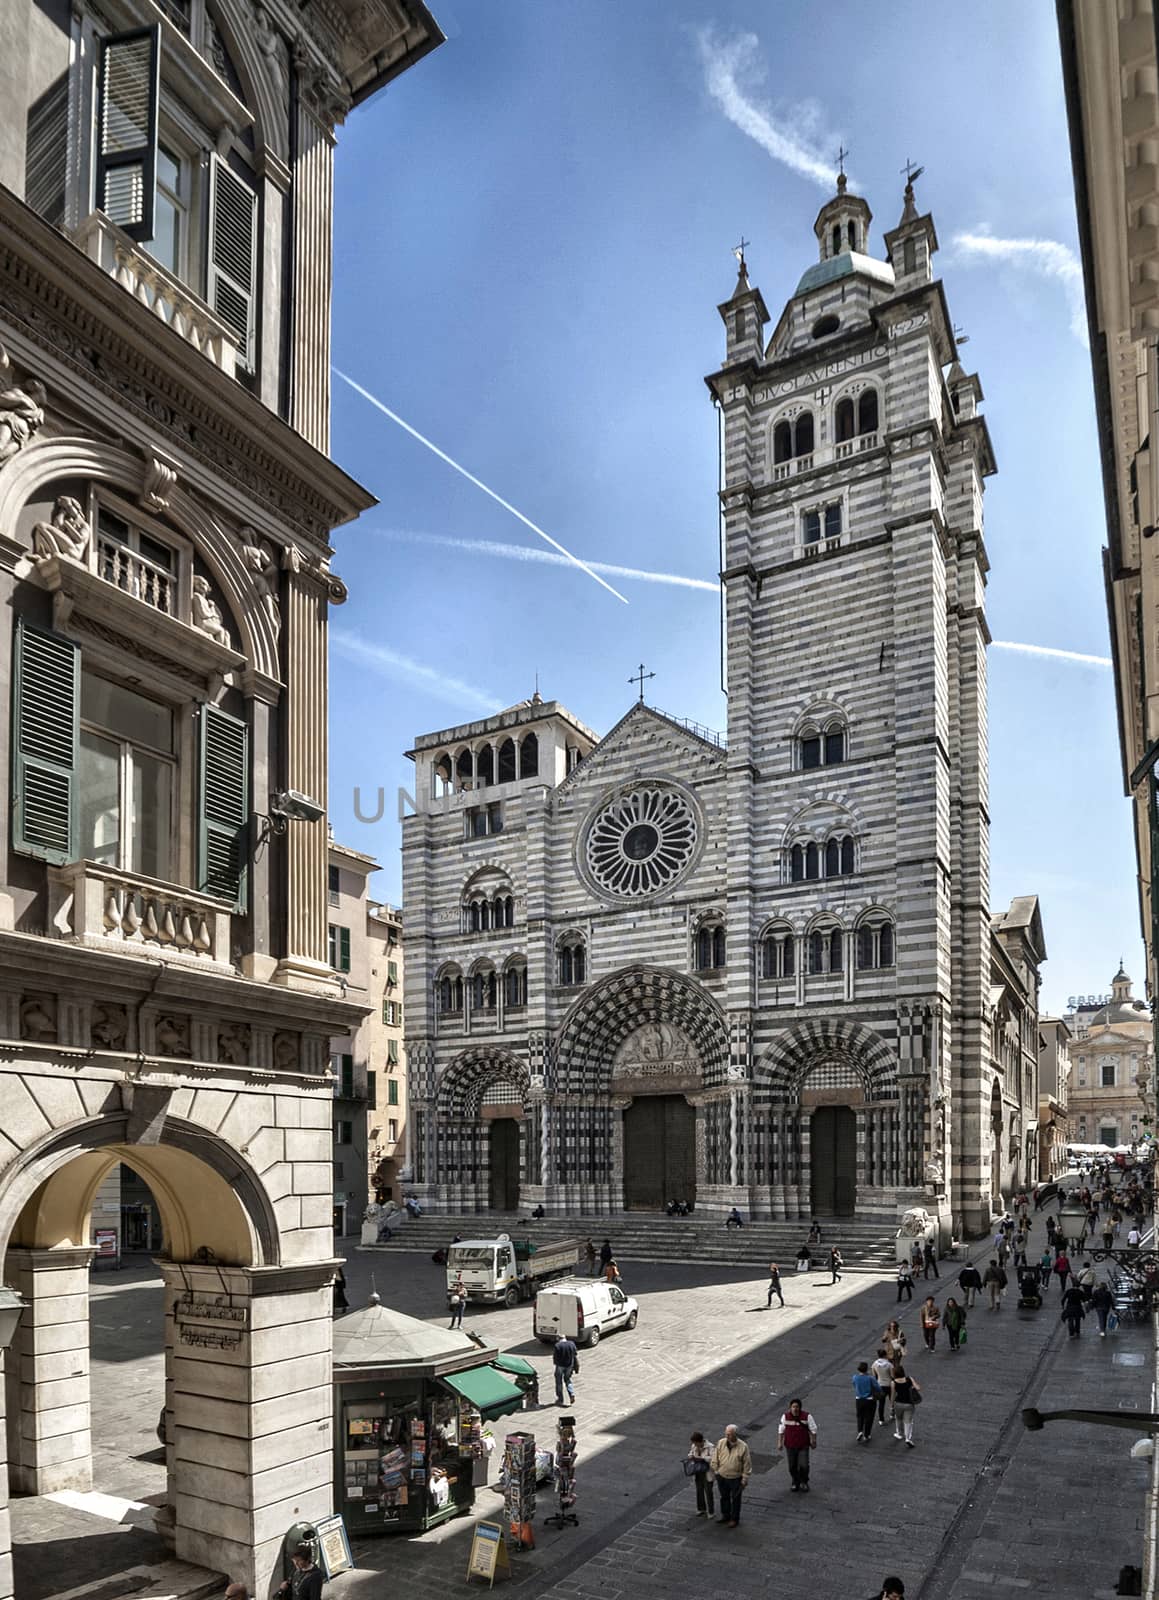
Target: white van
583 1309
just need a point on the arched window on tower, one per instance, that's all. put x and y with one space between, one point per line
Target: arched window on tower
529 756
572 963
909 256
515 986
853 236
778 953
465 770
846 855
845 420
837 239
797 864
825 948
832 859
867 411
710 946
812 861
506 772
449 992
485 766
818 945
834 743
816 746
739 323
874 944
443 777
782 443
836 950
803 434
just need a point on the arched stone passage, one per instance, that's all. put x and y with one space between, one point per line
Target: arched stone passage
230 1305
481 1163
609 1012
802 1154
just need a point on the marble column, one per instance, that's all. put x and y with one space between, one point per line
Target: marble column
47 1372
310 587
249 1388
313 213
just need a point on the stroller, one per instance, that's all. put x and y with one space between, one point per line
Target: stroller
1029 1289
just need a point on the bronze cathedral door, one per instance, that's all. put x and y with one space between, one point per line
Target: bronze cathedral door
503 1164
833 1160
659 1152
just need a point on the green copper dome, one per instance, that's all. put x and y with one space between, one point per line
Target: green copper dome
846 265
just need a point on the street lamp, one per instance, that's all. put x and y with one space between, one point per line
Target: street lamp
1073 1218
11 1305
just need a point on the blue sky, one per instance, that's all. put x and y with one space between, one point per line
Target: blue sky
534 228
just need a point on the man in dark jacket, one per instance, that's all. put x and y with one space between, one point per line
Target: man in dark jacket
774 1284
565 1358
969 1281
305 1580
1073 1310
1102 1301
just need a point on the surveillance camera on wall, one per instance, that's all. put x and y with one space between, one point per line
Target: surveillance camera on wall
296 807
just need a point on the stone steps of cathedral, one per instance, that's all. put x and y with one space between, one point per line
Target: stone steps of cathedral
637 1236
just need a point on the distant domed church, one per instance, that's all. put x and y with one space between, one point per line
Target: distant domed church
757 970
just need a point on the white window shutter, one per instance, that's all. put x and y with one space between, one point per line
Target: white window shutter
233 237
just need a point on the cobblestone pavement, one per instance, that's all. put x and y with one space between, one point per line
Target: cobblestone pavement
979 1504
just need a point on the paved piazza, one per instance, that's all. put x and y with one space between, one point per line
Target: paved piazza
979 1506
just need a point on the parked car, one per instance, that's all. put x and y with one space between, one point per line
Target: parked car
583 1309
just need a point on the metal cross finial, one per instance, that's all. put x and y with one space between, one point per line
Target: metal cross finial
641 678
960 336
842 152
738 250
911 173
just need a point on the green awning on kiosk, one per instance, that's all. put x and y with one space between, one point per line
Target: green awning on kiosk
515 1364
486 1389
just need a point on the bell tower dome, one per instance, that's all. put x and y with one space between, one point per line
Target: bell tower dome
842 224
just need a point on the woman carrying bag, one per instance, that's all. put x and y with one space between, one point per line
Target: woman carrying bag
696 1467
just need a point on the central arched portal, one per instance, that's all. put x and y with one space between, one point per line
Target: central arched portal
659 1152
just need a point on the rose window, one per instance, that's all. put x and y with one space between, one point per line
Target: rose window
641 842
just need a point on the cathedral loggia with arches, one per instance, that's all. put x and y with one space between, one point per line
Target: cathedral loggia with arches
756 969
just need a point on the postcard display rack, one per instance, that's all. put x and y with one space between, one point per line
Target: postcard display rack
565 1515
407 1463
519 1487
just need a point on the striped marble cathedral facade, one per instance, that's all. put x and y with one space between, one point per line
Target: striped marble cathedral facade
656 965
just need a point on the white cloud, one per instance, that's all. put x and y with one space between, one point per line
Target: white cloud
527 552
1046 257
1057 655
381 405
792 134
427 680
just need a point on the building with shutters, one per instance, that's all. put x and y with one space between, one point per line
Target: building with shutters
386 1079
167 997
1054 1066
756 969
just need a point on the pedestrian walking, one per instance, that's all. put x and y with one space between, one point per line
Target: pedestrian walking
457 1299
341 1304
612 1272
1116 1221
903 1389
700 1454
804 1258
894 1341
969 1281
1045 1262
891 1589
605 1253
305 1580
1051 1230
930 1260
565 1360
797 1437
835 1265
905 1281
1086 1282
994 1281
931 1319
733 1467
1002 1249
882 1370
1073 1311
1062 1269
954 1322
1102 1303
916 1257
590 1257
865 1390
774 1284
1134 1237
1108 1233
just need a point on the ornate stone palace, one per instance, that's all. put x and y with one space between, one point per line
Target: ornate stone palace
759 971
166 501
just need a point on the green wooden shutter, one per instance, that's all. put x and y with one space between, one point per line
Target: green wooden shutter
45 720
130 88
392 1051
233 236
344 949
223 807
392 1091
347 1080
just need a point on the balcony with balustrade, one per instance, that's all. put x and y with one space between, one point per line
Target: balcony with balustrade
124 913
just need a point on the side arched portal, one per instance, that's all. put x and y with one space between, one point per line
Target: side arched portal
835 1130
485 1142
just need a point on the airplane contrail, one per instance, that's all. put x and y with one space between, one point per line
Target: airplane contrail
428 680
478 482
1058 655
527 552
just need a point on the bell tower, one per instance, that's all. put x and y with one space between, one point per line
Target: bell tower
858 873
